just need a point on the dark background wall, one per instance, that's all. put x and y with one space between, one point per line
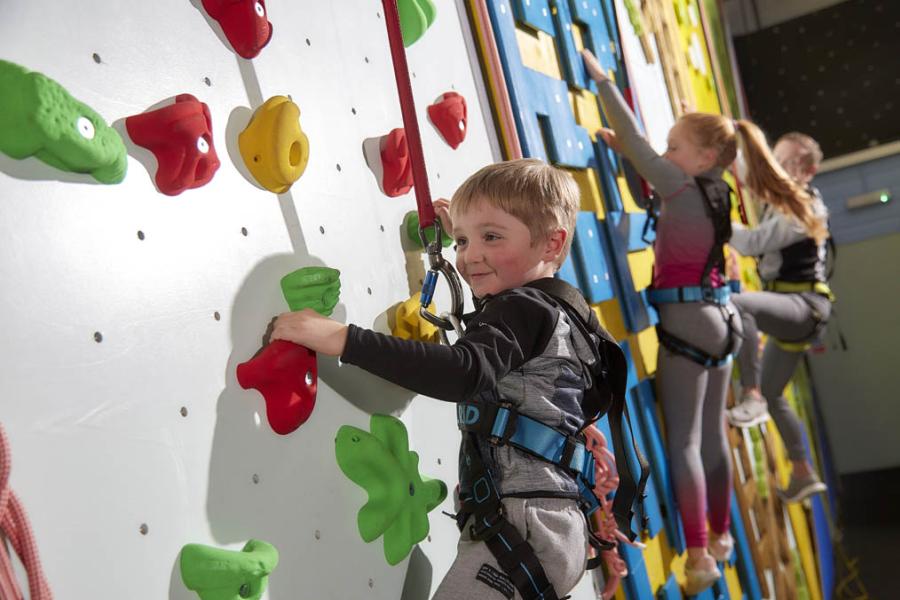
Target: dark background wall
833 73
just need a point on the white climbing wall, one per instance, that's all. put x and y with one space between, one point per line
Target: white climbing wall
124 312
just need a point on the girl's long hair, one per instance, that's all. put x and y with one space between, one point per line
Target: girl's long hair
765 177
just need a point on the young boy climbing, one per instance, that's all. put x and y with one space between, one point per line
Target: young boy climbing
790 241
523 357
699 329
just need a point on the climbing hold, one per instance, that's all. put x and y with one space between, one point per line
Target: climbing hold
415 17
180 136
410 325
448 114
217 574
287 375
317 288
244 22
411 224
397 178
399 498
38 117
273 146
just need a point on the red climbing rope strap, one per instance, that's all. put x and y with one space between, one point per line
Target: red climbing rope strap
15 528
408 108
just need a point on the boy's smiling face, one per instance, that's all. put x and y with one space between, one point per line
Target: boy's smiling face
494 250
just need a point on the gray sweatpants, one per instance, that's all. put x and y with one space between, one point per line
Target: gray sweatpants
693 402
787 317
556 530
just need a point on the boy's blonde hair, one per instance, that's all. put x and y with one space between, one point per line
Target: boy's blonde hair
544 198
765 177
811 153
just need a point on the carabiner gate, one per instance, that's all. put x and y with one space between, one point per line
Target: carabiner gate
447 321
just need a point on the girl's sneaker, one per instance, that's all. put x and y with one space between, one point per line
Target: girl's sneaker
801 488
752 410
721 547
701 576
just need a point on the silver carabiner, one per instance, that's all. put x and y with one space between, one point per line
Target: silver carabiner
452 320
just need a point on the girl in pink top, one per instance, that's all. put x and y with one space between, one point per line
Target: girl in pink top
699 330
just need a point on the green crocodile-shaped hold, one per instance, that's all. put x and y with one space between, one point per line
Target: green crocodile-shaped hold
38 117
411 223
217 574
416 16
399 497
317 288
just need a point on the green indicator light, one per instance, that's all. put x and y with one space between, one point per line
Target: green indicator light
884 198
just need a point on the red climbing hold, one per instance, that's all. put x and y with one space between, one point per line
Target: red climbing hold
180 136
449 116
286 374
397 178
244 23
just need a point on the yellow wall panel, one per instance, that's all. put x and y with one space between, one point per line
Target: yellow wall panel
693 41
587 111
591 196
627 199
609 314
656 568
538 52
644 348
734 582
641 265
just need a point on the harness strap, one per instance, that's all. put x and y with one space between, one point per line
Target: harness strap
679 346
481 507
799 287
720 214
719 295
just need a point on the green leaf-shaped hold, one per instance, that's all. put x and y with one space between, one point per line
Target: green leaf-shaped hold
399 498
411 222
317 288
217 574
415 17
39 118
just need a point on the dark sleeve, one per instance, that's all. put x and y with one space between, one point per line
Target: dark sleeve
511 329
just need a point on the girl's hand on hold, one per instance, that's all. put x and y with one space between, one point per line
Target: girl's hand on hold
609 136
595 71
309 328
442 209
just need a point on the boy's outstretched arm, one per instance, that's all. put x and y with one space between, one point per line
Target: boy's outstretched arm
308 328
508 332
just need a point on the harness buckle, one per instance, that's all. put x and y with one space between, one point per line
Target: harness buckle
485 526
708 294
499 438
568 452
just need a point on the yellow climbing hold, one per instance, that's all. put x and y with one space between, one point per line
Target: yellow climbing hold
273 146
409 324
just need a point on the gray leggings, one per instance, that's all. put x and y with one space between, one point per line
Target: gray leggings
788 317
693 402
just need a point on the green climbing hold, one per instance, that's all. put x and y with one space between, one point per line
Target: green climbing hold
635 16
411 224
39 118
399 497
317 288
217 574
415 17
